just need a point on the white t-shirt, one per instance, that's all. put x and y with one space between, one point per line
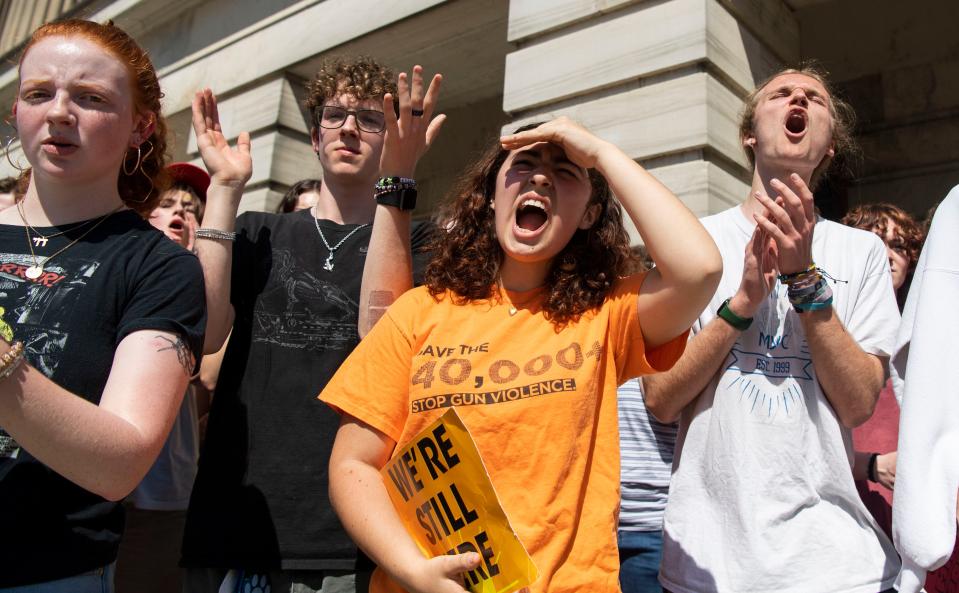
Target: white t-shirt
927 474
762 496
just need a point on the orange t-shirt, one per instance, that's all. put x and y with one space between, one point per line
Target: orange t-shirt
534 400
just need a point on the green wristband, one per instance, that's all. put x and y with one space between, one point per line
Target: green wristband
740 323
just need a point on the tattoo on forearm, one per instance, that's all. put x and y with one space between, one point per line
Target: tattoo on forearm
380 301
183 354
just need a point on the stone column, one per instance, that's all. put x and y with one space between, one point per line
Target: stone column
271 112
663 80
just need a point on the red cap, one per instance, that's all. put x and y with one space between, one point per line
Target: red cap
194 176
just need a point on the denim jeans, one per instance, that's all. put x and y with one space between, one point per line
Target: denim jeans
99 580
640 553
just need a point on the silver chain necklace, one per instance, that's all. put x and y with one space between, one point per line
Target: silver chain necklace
328 264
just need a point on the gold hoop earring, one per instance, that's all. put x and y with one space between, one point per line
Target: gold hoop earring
140 158
146 197
143 200
6 153
135 167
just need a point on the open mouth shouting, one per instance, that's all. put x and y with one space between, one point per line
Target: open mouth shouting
532 215
796 123
175 229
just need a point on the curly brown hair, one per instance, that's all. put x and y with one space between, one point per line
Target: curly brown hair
140 191
843 117
361 76
876 218
467 255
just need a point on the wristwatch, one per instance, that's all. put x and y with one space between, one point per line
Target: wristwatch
404 199
740 323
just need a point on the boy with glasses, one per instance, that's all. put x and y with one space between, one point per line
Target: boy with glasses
289 289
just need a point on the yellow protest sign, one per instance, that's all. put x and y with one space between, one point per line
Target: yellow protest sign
444 497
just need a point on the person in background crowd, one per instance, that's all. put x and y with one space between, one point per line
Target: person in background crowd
148 561
302 195
8 188
875 440
181 209
646 450
535 247
101 316
927 474
789 356
288 286
901 234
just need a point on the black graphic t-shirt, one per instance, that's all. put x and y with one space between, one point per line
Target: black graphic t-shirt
123 277
260 497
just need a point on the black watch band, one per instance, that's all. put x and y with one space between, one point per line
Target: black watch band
871 468
740 323
404 199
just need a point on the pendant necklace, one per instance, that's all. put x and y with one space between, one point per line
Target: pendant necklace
41 240
513 309
36 270
328 264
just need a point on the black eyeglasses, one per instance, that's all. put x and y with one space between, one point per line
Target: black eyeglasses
333 117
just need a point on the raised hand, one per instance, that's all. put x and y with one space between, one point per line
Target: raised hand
791 219
190 224
579 144
409 135
759 274
227 166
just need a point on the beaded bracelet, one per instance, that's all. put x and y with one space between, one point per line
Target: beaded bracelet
11 359
798 276
215 234
384 184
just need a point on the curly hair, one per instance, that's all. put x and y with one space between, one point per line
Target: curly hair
843 119
467 256
140 191
876 218
362 77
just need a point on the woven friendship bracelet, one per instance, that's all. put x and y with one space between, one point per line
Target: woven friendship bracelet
811 298
215 234
798 292
798 276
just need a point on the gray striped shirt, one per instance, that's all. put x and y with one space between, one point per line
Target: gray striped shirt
646 447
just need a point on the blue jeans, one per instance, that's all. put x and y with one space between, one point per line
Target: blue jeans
640 553
99 580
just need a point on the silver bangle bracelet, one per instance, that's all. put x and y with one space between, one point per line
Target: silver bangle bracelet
215 234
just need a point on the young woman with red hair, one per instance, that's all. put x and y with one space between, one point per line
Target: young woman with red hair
101 316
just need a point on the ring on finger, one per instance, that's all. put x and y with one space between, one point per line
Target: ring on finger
417 113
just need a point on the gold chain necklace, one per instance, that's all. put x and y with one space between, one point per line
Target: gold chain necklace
41 240
36 270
